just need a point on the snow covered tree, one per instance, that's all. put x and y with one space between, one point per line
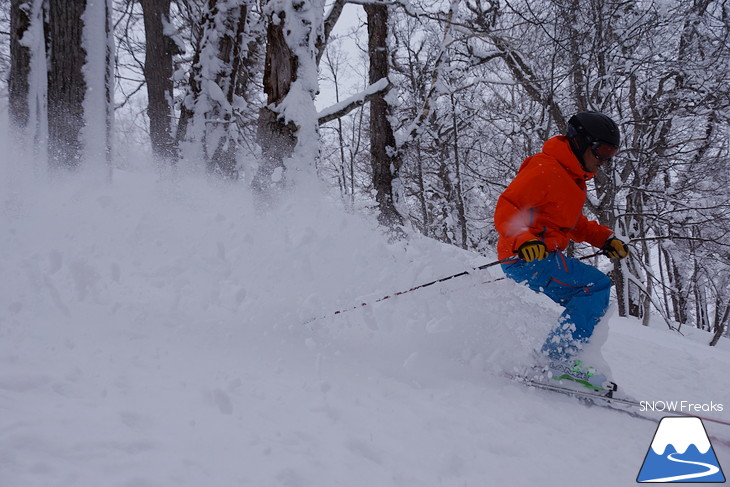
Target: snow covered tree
5 8
288 124
28 76
430 127
100 72
214 104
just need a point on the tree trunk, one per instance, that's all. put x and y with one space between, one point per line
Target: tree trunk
158 70
20 58
210 113
458 186
66 83
293 34
109 84
384 158
276 138
421 195
232 49
722 314
677 288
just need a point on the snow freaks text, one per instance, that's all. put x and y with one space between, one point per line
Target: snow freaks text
680 406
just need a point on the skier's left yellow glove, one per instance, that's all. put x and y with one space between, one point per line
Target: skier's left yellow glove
615 249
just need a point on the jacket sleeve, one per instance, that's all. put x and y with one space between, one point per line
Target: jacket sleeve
518 206
591 232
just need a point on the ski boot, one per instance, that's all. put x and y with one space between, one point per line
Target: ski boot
582 375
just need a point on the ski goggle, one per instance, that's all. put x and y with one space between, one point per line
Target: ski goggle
604 152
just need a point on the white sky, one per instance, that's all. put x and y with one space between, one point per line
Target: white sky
350 81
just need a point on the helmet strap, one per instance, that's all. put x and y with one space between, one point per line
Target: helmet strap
579 144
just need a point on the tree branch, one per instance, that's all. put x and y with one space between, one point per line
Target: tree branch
717 241
434 91
329 23
349 104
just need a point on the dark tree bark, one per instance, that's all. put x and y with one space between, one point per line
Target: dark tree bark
109 70
458 195
66 83
722 316
276 138
158 71
384 158
20 57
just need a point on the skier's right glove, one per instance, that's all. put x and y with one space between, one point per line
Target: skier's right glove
532 250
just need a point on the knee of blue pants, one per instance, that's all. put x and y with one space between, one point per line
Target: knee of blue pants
587 311
583 311
583 290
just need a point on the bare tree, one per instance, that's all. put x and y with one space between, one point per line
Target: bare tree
66 83
20 61
384 156
158 69
219 77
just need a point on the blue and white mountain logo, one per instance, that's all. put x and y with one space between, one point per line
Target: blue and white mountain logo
681 452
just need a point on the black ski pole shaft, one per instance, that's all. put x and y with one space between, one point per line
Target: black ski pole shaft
600 252
443 279
420 286
431 283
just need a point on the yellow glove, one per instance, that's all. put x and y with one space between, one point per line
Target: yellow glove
532 250
615 249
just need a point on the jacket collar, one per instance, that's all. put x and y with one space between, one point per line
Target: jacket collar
558 147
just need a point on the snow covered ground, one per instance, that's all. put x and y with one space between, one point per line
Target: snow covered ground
160 334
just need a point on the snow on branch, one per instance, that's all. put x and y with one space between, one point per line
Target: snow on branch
437 87
405 4
346 106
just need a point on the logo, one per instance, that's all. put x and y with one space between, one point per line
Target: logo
681 452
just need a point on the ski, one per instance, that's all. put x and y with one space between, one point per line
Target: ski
588 397
628 406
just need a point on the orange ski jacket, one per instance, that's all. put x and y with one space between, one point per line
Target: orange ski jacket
545 202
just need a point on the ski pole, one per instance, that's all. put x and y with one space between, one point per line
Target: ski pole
597 254
427 284
420 286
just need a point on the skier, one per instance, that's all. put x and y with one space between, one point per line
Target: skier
538 214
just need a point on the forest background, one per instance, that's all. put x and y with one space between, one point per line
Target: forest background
432 108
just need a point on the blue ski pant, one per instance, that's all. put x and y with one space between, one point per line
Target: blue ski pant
582 289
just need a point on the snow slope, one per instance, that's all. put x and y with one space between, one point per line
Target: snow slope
159 334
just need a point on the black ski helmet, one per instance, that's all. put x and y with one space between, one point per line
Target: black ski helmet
586 128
